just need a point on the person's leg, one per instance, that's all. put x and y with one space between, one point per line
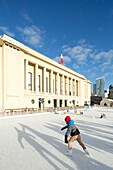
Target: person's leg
82 145
80 142
69 151
73 138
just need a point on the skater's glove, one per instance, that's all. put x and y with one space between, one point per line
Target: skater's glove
64 128
66 139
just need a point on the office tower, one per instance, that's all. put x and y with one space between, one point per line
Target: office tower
94 89
100 83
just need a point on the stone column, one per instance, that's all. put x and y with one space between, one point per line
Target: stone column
79 88
44 79
63 89
67 88
58 84
51 82
26 74
71 87
36 78
75 87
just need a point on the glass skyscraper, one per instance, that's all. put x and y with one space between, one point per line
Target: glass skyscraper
100 83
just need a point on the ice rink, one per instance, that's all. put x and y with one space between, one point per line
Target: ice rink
36 142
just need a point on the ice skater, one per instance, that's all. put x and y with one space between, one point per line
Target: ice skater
103 115
74 133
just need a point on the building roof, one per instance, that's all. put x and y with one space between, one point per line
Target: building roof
16 44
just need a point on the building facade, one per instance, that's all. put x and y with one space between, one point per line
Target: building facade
106 92
110 95
30 79
94 89
100 83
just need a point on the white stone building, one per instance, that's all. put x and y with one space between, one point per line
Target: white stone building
28 77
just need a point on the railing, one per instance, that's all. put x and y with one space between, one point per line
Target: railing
19 111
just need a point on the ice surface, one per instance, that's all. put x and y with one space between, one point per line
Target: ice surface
35 142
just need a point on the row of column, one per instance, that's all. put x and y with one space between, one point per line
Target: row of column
63 85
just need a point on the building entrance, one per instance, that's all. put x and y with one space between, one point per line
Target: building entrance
60 104
55 103
65 103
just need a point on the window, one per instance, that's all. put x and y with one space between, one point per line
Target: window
47 84
29 81
32 101
24 74
76 87
49 101
70 87
39 83
53 87
73 87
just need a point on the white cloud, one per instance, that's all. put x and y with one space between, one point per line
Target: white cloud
54 40
93 74
32 35
66 59
84 54
82 42
80 53
106 63
26 16
104 55
57 59
76 67
6 31
108 74
66 49
88 61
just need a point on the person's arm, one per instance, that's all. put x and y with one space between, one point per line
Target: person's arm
68 130
64 127
66 137
67 134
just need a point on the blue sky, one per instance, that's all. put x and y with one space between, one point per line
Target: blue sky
81 29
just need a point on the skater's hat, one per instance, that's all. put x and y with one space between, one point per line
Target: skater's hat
67 119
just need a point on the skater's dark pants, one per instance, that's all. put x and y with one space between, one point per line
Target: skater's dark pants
78 138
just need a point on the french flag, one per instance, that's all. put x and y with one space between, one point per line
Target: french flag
61 59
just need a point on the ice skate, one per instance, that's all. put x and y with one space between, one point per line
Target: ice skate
69 152
86 152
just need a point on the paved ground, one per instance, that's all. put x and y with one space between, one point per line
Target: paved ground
35 142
